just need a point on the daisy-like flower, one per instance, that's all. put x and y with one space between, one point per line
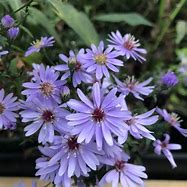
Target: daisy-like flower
8 107
127 45
46 116
165 147
100 61
37 45
137 126
44 84
74 67
2 52
7 21
99 118
169 79
128 175
131 85
173 119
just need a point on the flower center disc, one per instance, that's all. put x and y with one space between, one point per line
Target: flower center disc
101 59
48 116
77 66
2 108
46 88
72 143
119 165
98 114
37 44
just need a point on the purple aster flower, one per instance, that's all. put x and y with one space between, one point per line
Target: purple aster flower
137 126
173 119
165 147
7 21
13 32
99 61
45 84
127 45
8 107
44 42
169 79
128 175
46 116
74 66
98 118
131 85
2 52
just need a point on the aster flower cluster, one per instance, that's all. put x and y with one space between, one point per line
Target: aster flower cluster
80 114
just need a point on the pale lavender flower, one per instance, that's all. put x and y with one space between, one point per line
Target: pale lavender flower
99 118
37 45
131 85
99 60
7 21
127 45
173 119
74 67
8 107
2 52
137 126
46 117
165 147
13 32
21 184
169 79
44 84
128 175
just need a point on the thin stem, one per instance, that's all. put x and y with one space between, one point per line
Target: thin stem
168 23
47 57
24 6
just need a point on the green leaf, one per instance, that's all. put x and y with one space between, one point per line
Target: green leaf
37 17
33 58
130 18
181 31
78 21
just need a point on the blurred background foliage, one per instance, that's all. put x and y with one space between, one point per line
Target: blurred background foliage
160 25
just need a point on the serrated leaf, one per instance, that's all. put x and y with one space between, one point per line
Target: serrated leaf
181 31
37 17
133 19
78 21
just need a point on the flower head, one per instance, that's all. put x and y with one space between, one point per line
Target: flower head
124 173
169 79
13 32
8 107
46 116
74 67
45 84
99 61
137 126
127 45
44 42
7 21
131 85
165 147
100 117
2 52
173 119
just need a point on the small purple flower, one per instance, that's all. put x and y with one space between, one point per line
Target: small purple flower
99 61
8 107
136 126
2 52
7 21
169 79
46 116
128 175
173 119
44 42
98 118
165 147
13 32
130 85
127 46
45 84
74 67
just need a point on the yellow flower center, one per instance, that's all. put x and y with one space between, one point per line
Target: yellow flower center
101 59
37 43
46 88
2 108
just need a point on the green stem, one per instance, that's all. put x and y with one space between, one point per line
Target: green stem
24 6
168 23
47 57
